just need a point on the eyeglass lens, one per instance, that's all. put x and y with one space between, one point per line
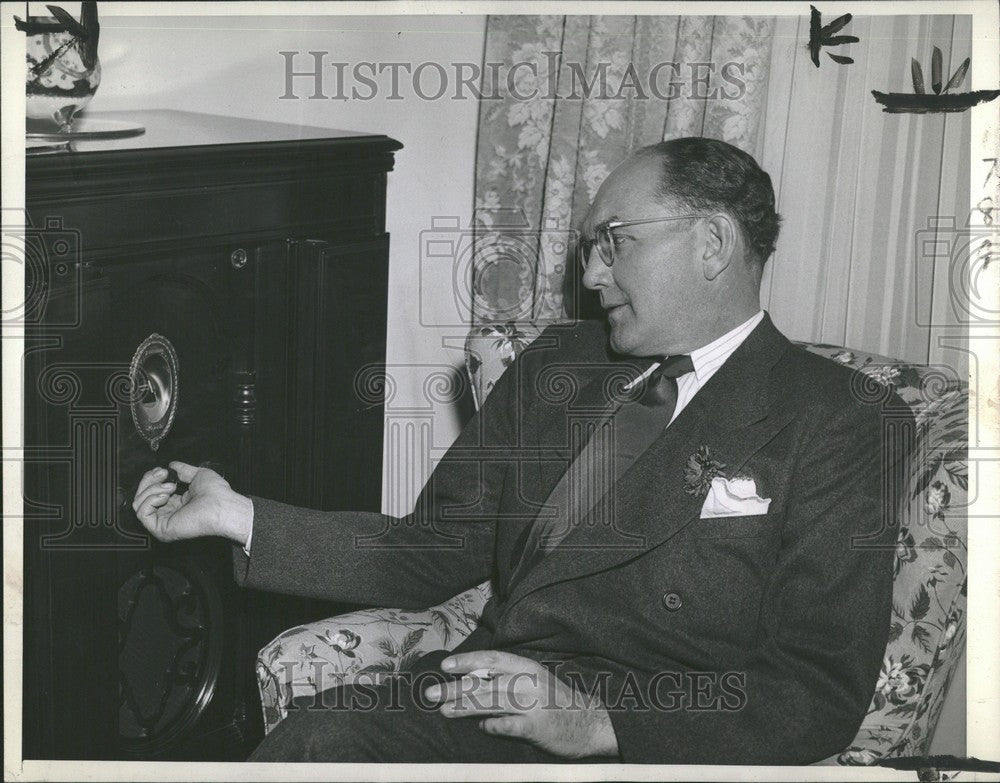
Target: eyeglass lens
605 248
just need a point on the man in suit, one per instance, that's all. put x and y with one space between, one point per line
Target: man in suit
687 520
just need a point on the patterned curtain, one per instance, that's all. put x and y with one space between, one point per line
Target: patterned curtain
546 141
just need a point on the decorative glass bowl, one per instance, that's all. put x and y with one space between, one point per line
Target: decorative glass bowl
63 70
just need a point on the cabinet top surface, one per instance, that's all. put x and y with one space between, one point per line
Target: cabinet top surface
168 129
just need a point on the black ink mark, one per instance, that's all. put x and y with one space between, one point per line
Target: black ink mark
904 103
994 169
936 71
934 763
918 77
985 206
820 36
85 32
922 102
984 253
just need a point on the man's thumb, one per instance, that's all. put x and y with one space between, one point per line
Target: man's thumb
184 471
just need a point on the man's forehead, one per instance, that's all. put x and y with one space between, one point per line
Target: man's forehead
630 187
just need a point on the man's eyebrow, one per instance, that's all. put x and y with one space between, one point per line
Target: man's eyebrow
597 226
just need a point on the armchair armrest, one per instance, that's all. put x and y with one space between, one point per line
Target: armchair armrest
311 658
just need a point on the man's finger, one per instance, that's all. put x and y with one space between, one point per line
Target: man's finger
184 471
147 509
494 661
153 489
150 477
502 696
516 685
505 726
479 703
453 689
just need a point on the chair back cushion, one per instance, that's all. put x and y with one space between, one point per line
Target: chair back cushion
927 627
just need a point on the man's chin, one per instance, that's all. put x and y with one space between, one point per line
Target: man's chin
619 340
626 341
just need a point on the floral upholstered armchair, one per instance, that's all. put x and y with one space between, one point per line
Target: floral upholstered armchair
927 631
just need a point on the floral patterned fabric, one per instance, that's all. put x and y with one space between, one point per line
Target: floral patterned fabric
927 628
546 146
371 643
490 349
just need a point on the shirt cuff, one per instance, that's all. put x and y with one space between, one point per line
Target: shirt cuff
246 546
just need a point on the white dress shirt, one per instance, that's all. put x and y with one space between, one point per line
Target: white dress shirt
706 360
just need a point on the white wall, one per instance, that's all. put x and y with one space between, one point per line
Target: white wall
858 189
231 66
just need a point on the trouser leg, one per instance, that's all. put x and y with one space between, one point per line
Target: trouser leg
387 722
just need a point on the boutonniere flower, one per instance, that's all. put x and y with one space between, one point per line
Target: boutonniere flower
885 374
700 471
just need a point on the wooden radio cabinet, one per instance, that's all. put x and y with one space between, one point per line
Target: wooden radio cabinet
216 288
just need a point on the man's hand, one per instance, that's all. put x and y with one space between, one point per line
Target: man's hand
209 507
517 697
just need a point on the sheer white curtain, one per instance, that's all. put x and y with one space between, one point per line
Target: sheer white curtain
859 189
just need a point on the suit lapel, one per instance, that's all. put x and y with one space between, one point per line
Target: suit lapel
731 413
561 430
600 392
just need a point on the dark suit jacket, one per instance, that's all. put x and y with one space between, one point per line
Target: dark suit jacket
793 603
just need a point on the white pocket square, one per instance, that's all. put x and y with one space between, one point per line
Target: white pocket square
733 498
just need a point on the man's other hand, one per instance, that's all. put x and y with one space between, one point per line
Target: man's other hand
209 507
514 696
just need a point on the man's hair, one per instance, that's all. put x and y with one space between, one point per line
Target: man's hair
707 175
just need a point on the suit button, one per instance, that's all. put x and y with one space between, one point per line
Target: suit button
672 601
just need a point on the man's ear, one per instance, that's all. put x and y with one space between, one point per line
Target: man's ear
721 246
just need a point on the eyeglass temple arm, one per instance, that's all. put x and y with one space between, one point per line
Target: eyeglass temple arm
619 223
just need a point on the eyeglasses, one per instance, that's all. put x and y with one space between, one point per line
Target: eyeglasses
605 240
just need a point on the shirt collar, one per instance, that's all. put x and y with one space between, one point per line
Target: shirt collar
711 357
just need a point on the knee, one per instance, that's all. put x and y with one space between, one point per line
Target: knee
321 731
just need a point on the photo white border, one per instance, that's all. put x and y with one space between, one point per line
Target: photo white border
983 618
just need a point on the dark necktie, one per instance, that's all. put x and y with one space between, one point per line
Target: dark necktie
614 445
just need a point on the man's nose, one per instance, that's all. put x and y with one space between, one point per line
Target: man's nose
596 273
